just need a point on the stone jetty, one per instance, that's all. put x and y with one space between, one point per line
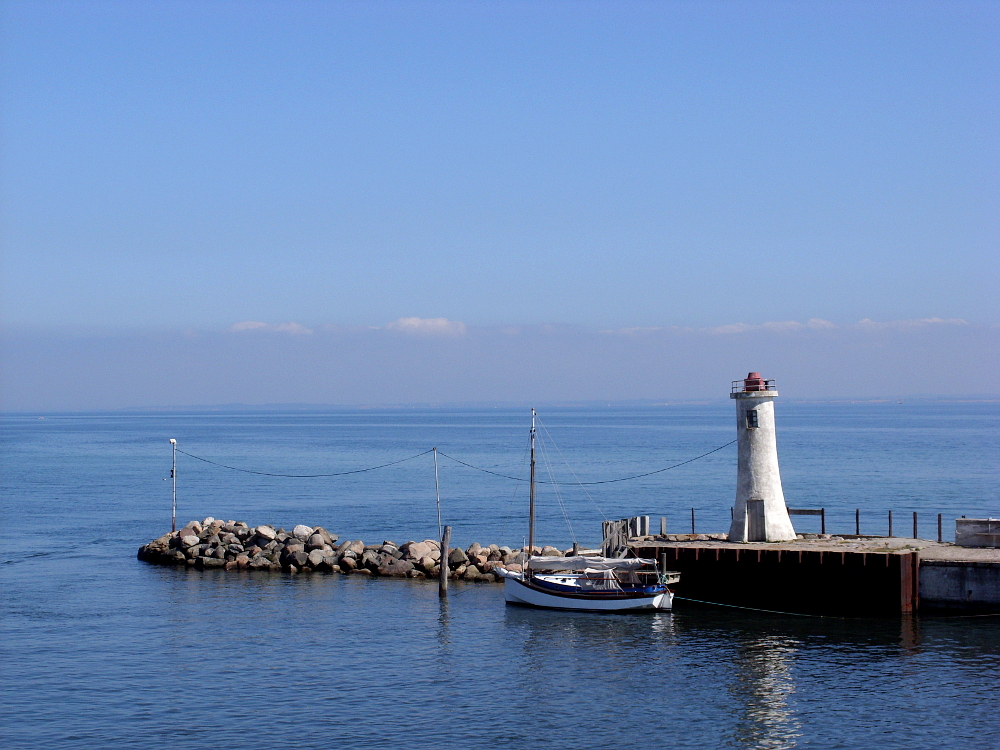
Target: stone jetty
234 545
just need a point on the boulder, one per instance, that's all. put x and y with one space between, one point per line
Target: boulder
357 546
395 567
457 557
294 546
298 559
415 550
427 562
347 564
315 558
190 541
302 532
315 541
328 538
473 549
212 562
551 552
266 532
243 561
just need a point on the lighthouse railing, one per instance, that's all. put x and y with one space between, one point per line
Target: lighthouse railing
741 386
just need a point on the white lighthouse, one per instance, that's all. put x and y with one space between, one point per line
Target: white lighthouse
760 514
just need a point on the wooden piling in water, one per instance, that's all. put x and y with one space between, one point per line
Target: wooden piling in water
939 527
443 575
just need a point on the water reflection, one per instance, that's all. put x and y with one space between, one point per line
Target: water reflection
762 686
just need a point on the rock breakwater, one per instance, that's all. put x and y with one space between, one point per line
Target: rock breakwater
234 545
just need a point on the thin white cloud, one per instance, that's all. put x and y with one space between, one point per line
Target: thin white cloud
636 331
868 324
428 326
779 326
292 328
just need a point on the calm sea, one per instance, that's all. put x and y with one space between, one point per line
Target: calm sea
100 650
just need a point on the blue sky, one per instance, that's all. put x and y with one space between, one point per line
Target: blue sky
172 170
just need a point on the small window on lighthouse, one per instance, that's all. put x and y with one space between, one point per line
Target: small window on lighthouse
752 419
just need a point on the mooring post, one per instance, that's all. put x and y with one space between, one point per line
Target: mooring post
915 525
173 480
663 525
890 523
692 520
822 520
663 562
939 527
857 521
576 549
443 575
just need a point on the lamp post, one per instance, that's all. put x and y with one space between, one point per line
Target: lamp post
173 477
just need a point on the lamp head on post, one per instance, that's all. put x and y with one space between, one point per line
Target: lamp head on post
173 442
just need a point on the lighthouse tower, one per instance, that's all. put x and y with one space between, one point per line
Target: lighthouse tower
760 514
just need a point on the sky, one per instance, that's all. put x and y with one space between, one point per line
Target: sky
409 202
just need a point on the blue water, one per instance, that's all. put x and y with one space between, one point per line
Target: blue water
100 650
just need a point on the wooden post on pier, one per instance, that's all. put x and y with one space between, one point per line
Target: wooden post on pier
692 520
915 525
890 523
576 549
443 575
939 527
663 525
857 522
822 520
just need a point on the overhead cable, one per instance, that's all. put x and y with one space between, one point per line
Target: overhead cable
306 476
576 484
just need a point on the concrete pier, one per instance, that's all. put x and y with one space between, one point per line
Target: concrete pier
834 576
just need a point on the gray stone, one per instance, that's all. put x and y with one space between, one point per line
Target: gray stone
235 548
316 541
212 562
427 562
551 552
357 546
415 550
457 557
266 532
298 559
347 564
393 567
190 541
315 557
473 549
302 532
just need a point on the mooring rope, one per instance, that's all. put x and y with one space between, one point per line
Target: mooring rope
306 476
757 609
603 481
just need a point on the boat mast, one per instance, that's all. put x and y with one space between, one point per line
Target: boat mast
531 491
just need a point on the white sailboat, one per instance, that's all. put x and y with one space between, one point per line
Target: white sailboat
584 583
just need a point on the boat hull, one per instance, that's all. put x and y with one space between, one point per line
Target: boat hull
519 593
